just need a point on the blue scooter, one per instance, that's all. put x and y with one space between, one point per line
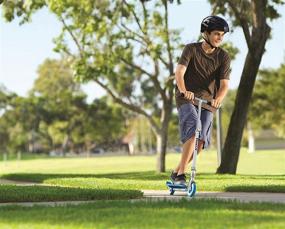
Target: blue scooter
191 188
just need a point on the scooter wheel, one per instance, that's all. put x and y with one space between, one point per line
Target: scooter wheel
171 191
191 192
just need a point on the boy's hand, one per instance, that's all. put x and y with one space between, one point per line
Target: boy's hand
188 95
216 103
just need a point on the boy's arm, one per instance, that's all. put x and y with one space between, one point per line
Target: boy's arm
179 77
224 86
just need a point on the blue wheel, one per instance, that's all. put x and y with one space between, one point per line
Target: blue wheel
191 192
171 191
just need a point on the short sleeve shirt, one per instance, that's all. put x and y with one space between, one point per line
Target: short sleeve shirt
204 71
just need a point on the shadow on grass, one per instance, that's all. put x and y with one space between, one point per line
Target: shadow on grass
145 175
40 177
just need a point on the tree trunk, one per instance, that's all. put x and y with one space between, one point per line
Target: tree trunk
65 144
162 137
161 143
230 154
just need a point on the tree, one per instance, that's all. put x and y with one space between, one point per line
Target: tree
5 98
252 17
107 121
56 115
267 108
63 100
70 120
124 46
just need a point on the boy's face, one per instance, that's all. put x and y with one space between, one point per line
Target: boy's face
216 37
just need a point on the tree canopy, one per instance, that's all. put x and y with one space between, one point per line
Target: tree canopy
268 102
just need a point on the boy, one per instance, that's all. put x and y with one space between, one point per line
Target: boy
203 70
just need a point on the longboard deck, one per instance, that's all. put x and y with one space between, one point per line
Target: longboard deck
171 185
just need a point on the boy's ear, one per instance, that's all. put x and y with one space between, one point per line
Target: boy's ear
207 33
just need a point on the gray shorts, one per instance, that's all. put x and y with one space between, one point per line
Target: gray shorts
188 114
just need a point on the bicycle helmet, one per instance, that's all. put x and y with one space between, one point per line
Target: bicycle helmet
212 23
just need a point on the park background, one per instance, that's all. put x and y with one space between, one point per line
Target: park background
71 140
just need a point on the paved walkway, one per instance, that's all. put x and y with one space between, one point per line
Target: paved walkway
240 196
49 204
24 183
156 195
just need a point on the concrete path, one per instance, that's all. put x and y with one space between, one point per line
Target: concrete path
240 196
156 195
48 204
24 183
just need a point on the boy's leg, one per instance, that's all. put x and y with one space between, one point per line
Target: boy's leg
186 115
190 155
200 148
188 148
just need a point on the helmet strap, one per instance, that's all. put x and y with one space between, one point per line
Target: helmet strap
208 42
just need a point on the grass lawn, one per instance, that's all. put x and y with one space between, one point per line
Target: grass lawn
124 214
121 177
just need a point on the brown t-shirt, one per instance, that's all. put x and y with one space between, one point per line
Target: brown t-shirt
204 71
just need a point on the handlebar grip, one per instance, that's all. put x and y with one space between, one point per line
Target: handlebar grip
196 98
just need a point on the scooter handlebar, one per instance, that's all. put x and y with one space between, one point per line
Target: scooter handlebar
208 102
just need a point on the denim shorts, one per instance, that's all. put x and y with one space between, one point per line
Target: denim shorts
188 115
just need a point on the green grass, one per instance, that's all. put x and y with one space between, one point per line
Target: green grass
264 162
12 193
124 214
154 181
121 176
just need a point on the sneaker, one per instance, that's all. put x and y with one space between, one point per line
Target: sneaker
180 179
173 176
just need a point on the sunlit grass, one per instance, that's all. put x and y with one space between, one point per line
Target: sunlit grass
266 162
118 176
125 214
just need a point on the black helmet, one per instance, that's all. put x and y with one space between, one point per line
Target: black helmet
212 23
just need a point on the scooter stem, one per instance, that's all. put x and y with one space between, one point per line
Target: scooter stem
197 135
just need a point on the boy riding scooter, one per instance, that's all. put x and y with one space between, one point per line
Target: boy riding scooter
202 72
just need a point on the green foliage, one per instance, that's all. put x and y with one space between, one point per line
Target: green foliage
107 121
173 132
21 9
19 121
244 8
55 76
111 38
268 102
5 99
56 115
231 49
227 109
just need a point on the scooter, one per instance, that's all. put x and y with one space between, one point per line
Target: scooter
191 188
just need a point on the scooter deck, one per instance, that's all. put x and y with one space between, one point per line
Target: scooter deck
176 186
